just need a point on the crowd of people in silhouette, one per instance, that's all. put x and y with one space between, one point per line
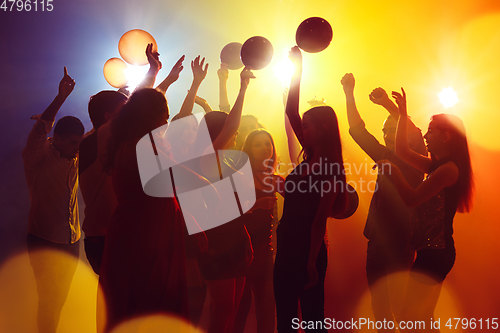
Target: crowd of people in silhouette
149 261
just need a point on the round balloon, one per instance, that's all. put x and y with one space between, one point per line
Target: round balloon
132 46
257 52
352 204
230 55
314 34
114 72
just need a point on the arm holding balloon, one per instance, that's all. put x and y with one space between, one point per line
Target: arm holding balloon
199 69
223 74
293 143
172 76
292 104
234 117
154 68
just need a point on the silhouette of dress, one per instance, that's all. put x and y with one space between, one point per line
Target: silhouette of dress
143 269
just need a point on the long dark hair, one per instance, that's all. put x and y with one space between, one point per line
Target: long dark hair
142 113
247 147
326 123
459 153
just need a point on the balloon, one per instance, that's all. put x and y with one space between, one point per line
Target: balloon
257 52
132 46
114 72
352 204
314 34
230 55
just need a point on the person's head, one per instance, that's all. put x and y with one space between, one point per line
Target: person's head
103 105
389 130
145 110
68 133
320 132
181 133
446 137
259 146
248 123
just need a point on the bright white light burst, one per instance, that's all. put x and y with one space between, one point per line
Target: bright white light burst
448 97
135 74
284 70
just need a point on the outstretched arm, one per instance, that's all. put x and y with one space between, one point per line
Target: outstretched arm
172 76
154 68
292 104
233 119
66 86
199 69
403 150
223 74
353 117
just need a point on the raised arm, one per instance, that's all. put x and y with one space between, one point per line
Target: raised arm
172 76
233 119
292 104
203 103
66 86
199 69
154 68
419 162
293 143
353 117
223 74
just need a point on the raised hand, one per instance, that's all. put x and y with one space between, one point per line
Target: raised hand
295 57
379 97
199 71
153 58
400 101
223 72
348 83
66 85
176 70
246 75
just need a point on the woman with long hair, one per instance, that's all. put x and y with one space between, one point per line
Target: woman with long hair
311 191
260 149
448 188
143 268
229 248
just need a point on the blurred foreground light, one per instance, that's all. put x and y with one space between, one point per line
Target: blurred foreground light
448 97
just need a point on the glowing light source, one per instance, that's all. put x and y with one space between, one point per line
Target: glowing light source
134 75
448 97
284 71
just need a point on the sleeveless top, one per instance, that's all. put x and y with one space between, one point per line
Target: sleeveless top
432 221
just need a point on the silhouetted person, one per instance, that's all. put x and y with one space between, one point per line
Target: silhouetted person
95 184
448 188
301 258
388 223
51 169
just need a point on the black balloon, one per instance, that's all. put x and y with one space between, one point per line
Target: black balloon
257 52
352 204
230 55
314 34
